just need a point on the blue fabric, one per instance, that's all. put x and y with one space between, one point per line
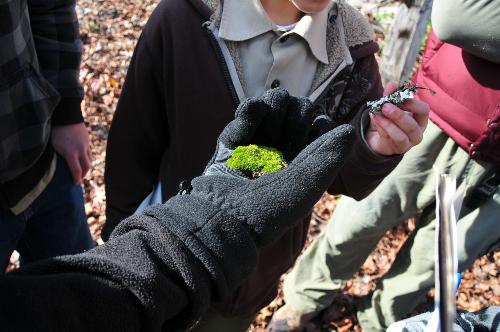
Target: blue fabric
485 320
153 198
55 224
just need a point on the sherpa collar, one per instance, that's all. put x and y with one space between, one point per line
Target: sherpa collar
243 20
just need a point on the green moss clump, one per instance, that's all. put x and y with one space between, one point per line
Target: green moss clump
256 160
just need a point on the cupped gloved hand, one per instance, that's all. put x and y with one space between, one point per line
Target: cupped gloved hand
276 120
231 216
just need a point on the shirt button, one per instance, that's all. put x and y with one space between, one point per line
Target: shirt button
275 84
284 38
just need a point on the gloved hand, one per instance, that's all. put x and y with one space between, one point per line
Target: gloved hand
276 119
162 269
232 216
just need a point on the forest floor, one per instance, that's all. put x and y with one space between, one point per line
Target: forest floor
110 30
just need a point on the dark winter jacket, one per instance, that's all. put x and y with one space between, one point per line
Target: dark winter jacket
178 96
466 105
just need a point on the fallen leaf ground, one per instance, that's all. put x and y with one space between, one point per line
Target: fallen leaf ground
110 30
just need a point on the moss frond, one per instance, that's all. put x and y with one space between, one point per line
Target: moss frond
257 160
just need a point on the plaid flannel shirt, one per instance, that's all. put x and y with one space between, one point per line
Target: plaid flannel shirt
40 54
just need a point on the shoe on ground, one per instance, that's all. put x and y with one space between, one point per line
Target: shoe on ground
288 319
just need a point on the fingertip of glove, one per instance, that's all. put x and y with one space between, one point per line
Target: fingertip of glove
343 133
345 130
304 102
342 137
321 125
276 98
277 92
304 107
247 104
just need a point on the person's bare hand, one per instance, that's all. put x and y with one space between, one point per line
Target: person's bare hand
396 130
72 143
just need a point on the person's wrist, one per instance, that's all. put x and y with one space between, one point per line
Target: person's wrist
67 112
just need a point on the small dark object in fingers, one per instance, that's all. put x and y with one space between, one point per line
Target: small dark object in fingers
403 93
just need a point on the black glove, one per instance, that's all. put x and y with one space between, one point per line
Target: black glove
231 215
159 271
276 120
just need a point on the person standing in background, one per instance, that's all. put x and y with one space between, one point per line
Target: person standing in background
44 146
195 62
461 63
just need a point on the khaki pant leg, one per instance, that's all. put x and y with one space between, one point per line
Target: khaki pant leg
412 273
479 232
408 280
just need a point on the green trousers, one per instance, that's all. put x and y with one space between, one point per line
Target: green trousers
356 228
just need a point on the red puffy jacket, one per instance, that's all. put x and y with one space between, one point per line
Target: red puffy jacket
466 105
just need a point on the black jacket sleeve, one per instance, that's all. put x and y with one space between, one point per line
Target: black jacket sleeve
143 279
160 271
364 169
138 136
55 30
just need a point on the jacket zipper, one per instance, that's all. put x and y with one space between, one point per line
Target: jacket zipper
222 61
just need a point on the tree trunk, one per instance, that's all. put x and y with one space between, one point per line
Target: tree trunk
404 41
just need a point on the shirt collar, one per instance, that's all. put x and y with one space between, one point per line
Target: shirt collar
313 29
245 19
